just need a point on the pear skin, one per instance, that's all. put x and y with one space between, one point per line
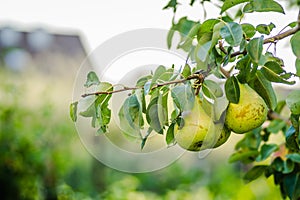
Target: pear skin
199 132
249 113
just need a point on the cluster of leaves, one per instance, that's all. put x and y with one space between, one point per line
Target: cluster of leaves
221 42
98 109
212 45
137 109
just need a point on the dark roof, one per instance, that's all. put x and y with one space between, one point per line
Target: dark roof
41 47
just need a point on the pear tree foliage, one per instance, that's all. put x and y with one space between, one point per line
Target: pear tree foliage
234 52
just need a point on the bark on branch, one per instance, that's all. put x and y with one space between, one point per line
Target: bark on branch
275 38
196 76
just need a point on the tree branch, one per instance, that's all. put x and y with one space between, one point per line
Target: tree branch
282 35
222 47
198 76
225 72
110 92
234 54
275 38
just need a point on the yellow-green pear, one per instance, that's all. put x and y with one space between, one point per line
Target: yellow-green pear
249 113
199 131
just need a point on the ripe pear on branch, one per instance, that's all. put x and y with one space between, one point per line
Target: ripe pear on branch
249 113
199 131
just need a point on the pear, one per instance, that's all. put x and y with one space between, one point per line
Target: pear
199 131
249 113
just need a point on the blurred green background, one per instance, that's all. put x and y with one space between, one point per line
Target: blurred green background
42 157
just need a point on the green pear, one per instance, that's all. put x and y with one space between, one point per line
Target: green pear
199 131
249 113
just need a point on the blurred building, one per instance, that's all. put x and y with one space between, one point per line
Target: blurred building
40 50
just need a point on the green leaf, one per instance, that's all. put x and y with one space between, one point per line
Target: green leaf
192 2
227 57
104 87
274 66
297 64
143 80
168 75
183 97
263 6
291 139
294 157
90 111
288 166
295 41
186 42
216 32
73 111
170 37
156 113
232 90
293 24
265 29
207 27
211 89
98 113
245 157
276 125
220 105
255 172
244 66
265 135
277 164
251 140
172 4
264 88
147 87
185 29
271 70
280 105
170 134
295 120
98 109
269 171
146 137
159 71
141 99
293 102
130 115
186 71
249 30
92 79
203 47
254 48
266 150
230 3
291 185
184 26
103 114
227 18
233 33
243 45
270 57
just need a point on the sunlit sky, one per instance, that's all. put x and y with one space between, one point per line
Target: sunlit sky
98 20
